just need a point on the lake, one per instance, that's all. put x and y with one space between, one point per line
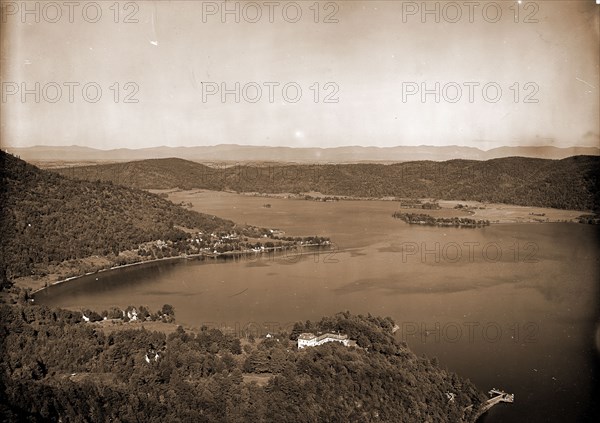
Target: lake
511 306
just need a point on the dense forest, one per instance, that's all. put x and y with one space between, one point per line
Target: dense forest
47 218
570 183
56 367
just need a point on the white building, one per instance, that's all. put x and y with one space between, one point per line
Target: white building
312 340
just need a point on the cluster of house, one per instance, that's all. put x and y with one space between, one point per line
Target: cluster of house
276 232
132 314
213 241
312 340
215 238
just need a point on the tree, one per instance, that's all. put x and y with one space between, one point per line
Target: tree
297 330
168 310
5 283
94 317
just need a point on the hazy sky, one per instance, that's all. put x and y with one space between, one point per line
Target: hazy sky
377 58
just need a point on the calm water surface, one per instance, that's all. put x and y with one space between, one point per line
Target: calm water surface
508 306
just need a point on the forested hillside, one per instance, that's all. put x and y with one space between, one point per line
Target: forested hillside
570 183
47 218
57 368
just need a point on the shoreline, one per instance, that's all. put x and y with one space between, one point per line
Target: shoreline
120 266
496 213
215 256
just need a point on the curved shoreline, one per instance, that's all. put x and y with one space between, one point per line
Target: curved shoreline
120 266
224 255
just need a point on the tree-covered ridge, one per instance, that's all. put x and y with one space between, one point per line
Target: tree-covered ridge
570 183
47 218
57 368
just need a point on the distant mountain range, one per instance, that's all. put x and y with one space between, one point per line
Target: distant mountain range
245 153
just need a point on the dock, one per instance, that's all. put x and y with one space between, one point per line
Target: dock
496 397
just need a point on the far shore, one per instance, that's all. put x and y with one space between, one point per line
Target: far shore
496 213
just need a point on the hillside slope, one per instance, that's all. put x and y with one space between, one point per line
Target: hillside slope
58 368
570 183
47 218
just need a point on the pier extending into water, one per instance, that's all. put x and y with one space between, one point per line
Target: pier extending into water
496 396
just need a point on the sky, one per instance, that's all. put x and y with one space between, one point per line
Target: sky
369 73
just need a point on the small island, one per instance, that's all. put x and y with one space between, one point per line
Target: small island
425 219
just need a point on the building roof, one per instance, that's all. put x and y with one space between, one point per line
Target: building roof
311 336
332 336
307 336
